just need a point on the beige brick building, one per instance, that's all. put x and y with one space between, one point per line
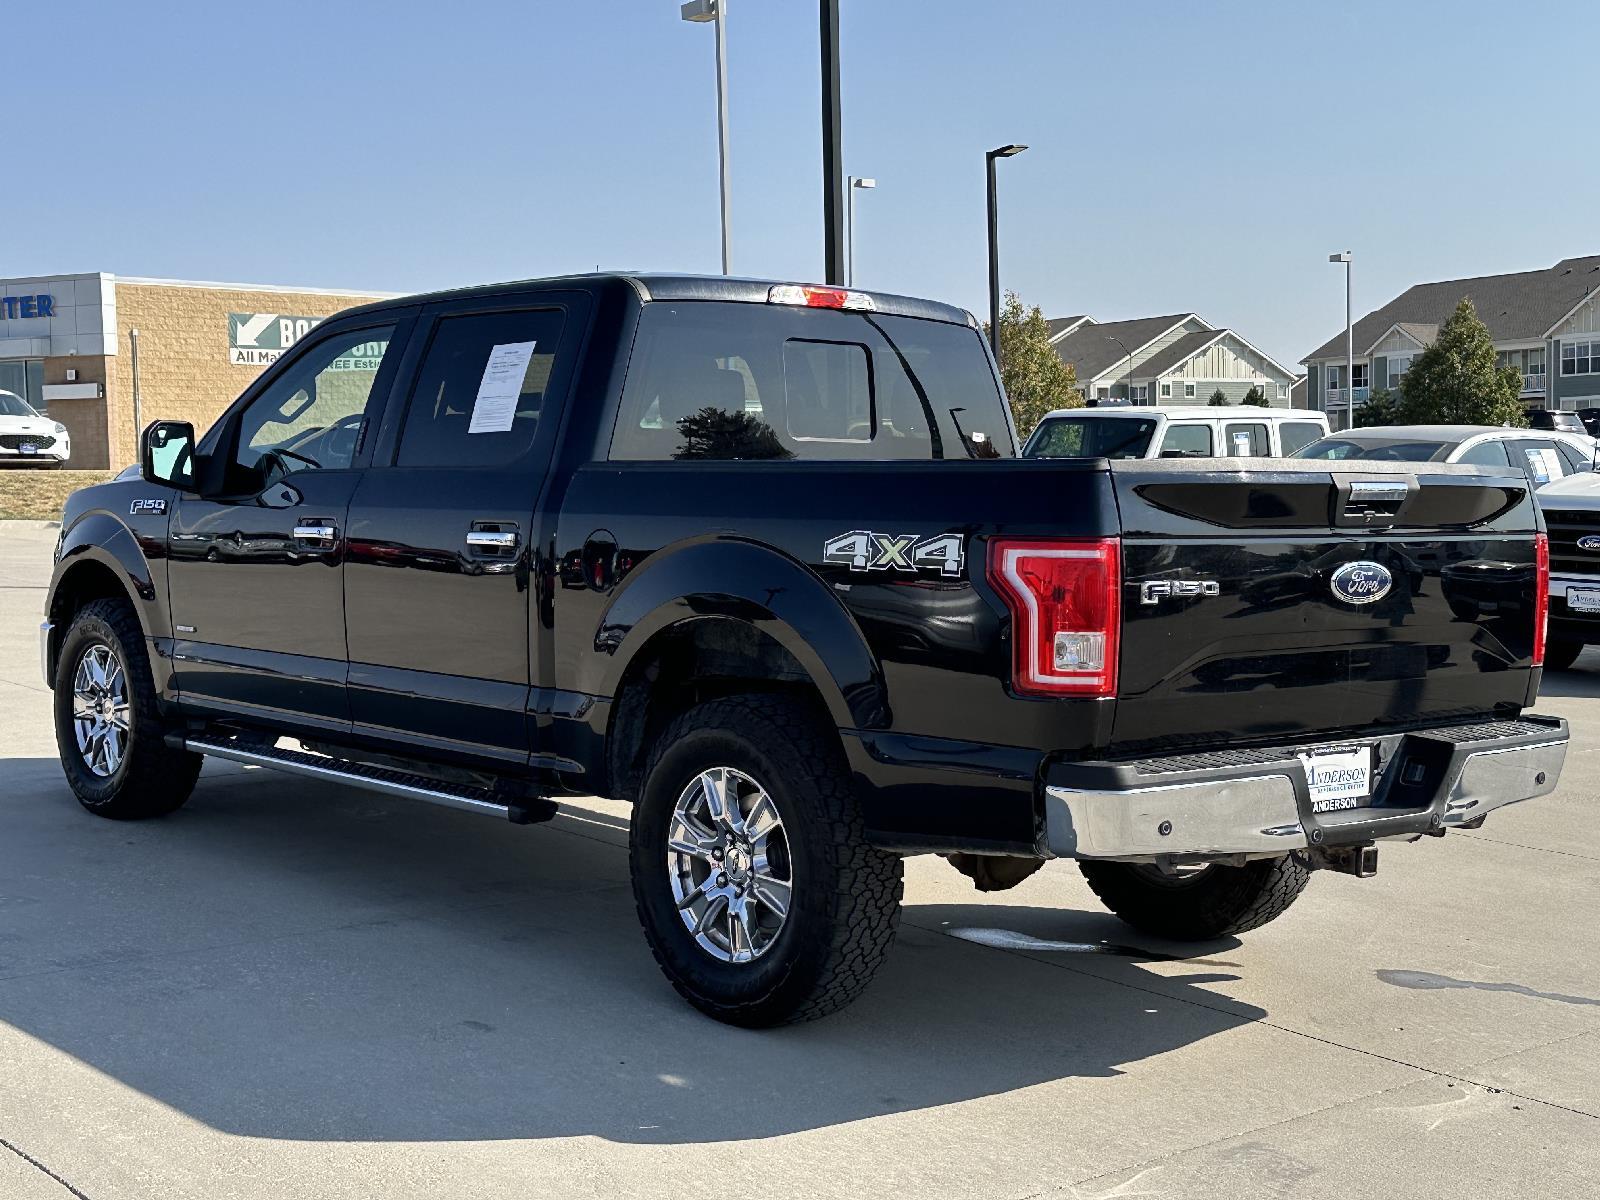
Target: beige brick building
66 346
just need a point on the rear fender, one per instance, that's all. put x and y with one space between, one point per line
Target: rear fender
734 579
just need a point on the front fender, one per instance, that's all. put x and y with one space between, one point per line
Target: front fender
99 538
732 578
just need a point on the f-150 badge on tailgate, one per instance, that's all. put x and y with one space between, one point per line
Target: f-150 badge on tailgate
1154 591
863 550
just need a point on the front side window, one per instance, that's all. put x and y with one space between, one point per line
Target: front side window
1187 440
479 398
312 416
1246 439
1294 434
716 380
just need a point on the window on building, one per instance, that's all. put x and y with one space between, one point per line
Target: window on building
1166 391
1141 393
1283 391
1399 364
1103 393
1580 358
25 378
1359 374
1188 391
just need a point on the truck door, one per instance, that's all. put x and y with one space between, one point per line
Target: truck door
444 549
256 577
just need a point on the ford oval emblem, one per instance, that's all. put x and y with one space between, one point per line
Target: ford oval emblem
1589 542
1361 582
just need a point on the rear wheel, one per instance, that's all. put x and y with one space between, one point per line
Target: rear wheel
1199 903
108 729
1560 654
759 895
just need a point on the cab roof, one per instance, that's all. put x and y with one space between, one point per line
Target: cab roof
651 286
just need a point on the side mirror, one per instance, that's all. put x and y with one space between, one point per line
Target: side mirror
166 454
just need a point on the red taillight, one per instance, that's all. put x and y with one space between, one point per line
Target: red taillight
1066 613
1541 594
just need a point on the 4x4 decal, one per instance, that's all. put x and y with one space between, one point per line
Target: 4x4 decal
863 550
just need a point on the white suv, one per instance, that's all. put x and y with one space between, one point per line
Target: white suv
1189 431
27 439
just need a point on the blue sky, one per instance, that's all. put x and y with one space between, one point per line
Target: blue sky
1185 157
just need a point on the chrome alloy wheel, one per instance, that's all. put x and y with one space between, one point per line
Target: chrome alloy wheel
728 858
100 711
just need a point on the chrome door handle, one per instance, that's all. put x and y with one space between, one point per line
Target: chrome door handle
321 532
482 539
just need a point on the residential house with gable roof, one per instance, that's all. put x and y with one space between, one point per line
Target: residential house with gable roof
1544 323
1175 359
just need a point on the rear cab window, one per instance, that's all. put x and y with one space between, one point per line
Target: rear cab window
723 380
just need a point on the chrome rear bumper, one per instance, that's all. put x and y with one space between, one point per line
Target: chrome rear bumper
1260 806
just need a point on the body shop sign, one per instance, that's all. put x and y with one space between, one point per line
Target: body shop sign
259 339
256 339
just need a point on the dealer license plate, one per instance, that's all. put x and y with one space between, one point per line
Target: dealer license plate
1583 599
28 448
1338 778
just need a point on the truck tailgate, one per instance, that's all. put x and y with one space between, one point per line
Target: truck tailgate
1275 598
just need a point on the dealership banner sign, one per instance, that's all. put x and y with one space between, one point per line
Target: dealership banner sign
259 339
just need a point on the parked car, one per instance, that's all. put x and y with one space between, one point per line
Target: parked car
761 559
1194 431
1565 422
1572 514
1541 455
29 439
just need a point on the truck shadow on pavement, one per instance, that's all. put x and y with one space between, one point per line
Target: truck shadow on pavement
292 960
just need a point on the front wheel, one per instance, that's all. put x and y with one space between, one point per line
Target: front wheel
108 729
1197 904
759 895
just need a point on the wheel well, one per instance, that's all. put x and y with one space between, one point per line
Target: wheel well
82 584
685 665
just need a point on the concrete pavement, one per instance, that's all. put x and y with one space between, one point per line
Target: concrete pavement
290 989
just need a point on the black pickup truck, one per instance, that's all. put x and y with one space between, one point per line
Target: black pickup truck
762 559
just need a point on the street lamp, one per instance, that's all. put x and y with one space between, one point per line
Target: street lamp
994 246
1129 353
856 181
1349 343
716 11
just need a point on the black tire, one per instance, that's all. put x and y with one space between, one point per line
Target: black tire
150 778
1216 902
845 900
1560 654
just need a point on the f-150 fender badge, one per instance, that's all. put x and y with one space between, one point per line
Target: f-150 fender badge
1154 591
1361 582
863 550
147 505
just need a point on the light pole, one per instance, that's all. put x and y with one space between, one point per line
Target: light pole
716 11
994 246
1129 353
856 181
1349 343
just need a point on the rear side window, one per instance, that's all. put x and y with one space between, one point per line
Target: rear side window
712 380
1187 441
1487 454
1294 434
1092 437
1574 459
480 392
1246 439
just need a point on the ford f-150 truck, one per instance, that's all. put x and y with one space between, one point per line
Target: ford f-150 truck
761 558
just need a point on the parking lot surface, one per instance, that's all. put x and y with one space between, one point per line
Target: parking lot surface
292 989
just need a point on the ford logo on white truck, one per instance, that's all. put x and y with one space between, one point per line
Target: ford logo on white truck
1361 582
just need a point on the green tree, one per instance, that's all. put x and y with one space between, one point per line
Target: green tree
1257 397
1455 380
1036 378
1218 400
1383 407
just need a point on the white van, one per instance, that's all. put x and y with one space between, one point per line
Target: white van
1235 431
